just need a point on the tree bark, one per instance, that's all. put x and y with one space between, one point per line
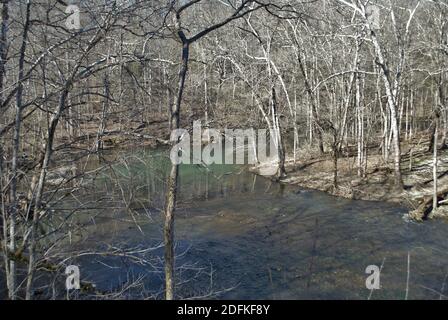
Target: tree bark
15 155
278 136
391 100
103 119
4 213
436 201
40 190
171 193
173 177
3 45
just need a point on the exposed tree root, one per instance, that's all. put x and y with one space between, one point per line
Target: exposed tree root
426 207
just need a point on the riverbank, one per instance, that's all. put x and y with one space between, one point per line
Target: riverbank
317 173
312 171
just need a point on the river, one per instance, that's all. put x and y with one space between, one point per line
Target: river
240 236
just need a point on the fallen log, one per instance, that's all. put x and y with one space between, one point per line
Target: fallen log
426 206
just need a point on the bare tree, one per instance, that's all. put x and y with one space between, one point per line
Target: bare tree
238 11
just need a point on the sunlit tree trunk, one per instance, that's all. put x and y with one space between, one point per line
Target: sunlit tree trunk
435 164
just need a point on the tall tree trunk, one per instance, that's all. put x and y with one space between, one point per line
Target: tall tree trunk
392 103
335 159
103 119
3 46
445 129
15 155
48 150
314 116
434 130
171 194
47 154
4 213
281 173
444 111
360 118
435 200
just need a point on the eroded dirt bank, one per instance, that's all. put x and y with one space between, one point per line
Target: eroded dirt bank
377 184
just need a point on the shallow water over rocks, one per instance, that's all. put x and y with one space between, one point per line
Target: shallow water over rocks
240 236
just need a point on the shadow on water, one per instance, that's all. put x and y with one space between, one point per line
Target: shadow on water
255 239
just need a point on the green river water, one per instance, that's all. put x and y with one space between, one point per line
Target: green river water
239 236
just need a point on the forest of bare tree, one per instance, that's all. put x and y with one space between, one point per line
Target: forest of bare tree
354 94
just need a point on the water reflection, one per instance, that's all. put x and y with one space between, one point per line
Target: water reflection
255 239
